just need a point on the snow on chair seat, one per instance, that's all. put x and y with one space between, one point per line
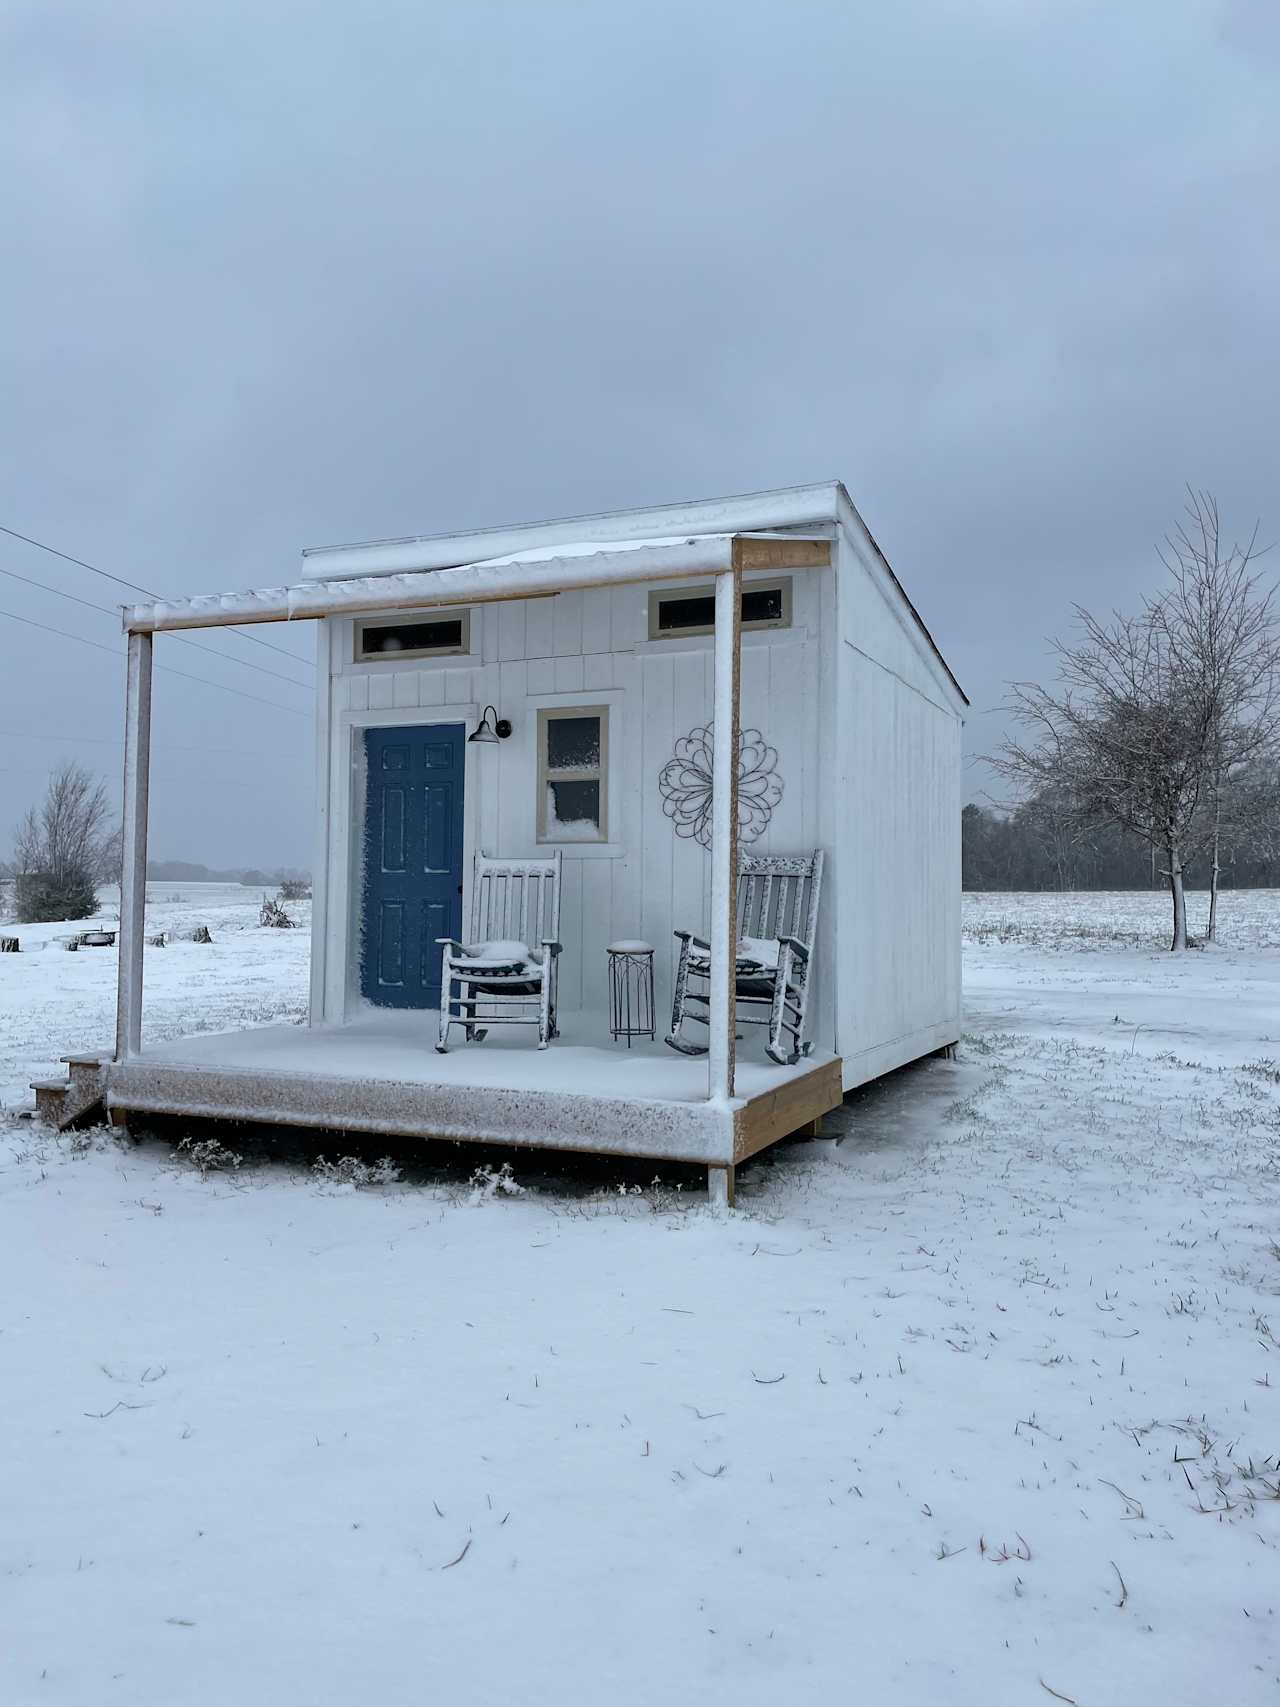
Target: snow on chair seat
505 973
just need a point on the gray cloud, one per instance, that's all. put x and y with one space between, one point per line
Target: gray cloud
282 275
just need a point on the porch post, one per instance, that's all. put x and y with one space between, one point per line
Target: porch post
133 874
724 830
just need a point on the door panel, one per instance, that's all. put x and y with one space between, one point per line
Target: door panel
412 861
391 847
439 852
390 940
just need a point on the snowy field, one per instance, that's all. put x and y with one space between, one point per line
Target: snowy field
53 1003
974 1401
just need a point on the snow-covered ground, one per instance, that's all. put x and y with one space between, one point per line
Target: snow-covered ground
1247 918
973 1402
53 1003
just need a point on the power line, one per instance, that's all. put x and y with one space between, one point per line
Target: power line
115 652
213 652
93 569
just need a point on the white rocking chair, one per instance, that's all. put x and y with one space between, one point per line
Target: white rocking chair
505 973
778 898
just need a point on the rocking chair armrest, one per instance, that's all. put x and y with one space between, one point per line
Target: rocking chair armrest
552 947
449 942
795 945
692 940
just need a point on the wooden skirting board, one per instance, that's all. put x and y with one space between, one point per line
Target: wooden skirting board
794 1105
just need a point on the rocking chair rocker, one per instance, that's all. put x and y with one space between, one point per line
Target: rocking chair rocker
777 919
505 973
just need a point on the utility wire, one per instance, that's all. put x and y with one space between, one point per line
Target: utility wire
106 610
115 652
93 569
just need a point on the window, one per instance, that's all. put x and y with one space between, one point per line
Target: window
425 636
692 610
573 759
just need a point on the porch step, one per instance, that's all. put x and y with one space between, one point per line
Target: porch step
77 1100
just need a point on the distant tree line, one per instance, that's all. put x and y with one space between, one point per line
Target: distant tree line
188 871
1041 844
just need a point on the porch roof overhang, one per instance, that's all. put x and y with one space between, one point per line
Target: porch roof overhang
539 573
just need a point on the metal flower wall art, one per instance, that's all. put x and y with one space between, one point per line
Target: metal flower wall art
685 783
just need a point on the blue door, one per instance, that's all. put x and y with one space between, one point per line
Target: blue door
412 861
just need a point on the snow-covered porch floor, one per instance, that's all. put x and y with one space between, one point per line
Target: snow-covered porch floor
381 1073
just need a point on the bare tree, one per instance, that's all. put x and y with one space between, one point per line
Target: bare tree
1123 740
63 846
1220 627
1251 824
1052 818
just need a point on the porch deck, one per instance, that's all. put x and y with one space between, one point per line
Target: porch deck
381 1074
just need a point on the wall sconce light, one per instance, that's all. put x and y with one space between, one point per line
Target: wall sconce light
488 732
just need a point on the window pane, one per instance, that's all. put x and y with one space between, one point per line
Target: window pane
379 638
573 812
679 613
675 614
573 743
762 604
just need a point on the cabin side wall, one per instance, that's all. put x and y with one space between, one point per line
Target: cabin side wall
898 785
589 648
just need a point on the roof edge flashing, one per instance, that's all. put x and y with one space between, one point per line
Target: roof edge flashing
861 536
752 512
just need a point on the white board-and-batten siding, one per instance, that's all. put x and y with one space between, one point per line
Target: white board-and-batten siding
897 891
588 647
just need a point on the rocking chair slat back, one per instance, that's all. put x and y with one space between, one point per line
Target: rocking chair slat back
511 901
515 900
778 895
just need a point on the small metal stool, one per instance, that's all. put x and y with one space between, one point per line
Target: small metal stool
631 1003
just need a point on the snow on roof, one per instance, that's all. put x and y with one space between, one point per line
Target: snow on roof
585 548
532 572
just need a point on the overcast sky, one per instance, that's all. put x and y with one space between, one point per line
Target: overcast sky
279 275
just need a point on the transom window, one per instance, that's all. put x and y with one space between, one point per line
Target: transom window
429 635
573 761
692 610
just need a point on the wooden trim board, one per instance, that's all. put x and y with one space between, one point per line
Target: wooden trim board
765 1119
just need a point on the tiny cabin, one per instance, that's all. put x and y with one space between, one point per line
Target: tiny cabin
723 719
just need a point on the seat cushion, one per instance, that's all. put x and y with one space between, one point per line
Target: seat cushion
745 968
761 951
499 957
504 949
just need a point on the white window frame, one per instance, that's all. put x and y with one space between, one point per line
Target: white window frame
659 596
598 773
450 613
